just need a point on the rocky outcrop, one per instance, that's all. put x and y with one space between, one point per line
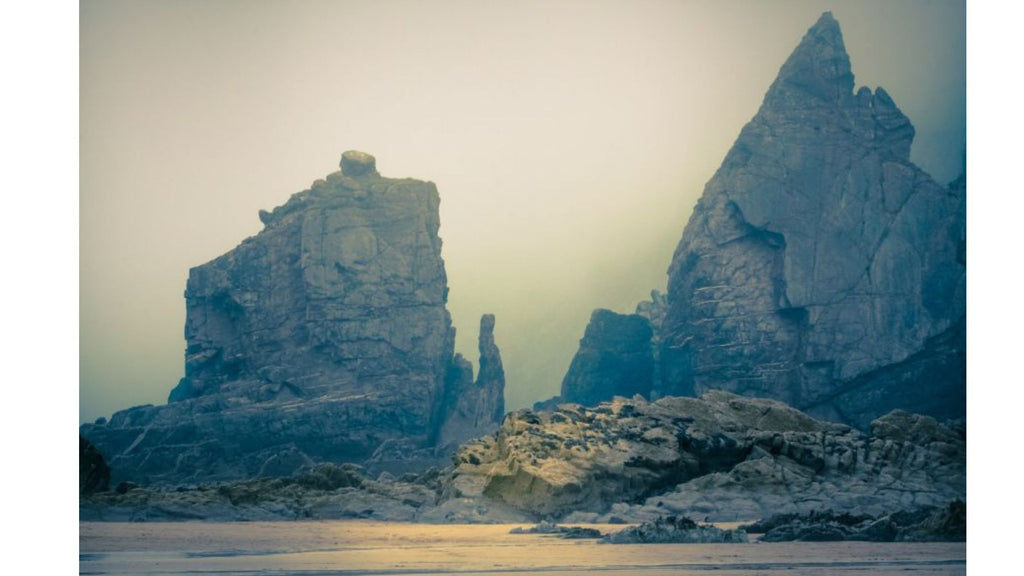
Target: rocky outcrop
722 457
473 408
323 338
820 267
618 356
675 530
318 492
929 524
93 472
615 358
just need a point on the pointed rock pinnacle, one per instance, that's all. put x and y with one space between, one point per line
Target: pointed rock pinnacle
818 69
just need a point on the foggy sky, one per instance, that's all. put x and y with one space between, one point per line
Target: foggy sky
569 142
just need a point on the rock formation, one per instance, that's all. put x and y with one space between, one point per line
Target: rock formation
675 530
721 456
821 267
472 408
323 338
93 472
928 524
317 492
615 357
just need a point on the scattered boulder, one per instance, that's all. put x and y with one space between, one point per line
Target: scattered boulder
675 530
567 532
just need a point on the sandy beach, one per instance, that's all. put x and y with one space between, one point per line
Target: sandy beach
363 547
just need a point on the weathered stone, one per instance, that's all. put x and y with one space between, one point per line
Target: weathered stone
615 358
473 408
820 266
928 524
93 472
567 532
355 164
324 338
721 456
675 530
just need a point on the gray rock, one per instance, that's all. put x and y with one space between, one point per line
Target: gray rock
93 472
615 358
473 408
675 530
821 267
324 338
722 456
928 524
567 532
355 163
324 491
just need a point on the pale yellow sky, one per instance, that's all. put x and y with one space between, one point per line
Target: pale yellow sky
568 140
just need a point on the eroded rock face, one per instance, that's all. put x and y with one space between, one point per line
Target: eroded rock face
323 338
615 358
721 456
93 472
473 408
820 266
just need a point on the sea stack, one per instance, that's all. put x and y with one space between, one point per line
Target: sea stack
821 267
325 337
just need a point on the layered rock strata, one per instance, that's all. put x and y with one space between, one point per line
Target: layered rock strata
722 456
820 267
323 338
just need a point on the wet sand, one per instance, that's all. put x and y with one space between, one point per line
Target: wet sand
364 547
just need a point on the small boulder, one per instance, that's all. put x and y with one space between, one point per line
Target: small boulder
355 164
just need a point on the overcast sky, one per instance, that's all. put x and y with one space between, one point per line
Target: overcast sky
568 140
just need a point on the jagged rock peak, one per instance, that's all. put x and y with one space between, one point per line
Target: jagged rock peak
819 68
820 266
355 163
492 374
471 409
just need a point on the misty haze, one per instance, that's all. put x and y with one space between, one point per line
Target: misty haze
594 273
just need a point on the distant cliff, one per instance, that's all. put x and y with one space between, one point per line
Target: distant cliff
323 338
820 267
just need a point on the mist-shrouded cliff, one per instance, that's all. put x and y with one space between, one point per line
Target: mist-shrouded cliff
820 267
325 337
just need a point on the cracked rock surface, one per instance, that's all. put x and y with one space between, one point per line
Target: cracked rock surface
325 337
821 267
720 457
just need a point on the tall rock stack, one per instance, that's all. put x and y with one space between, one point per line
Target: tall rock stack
471 407
323 338
820 266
